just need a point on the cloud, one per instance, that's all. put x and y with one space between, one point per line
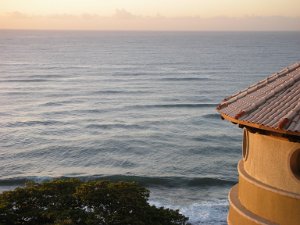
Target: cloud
124 20
15 14
123 14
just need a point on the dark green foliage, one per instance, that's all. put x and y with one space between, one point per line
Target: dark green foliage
71 201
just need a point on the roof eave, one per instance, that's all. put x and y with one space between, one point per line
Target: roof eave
258 126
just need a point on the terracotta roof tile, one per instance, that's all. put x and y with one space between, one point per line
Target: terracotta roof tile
273 103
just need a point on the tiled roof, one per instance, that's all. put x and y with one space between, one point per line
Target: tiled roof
271 104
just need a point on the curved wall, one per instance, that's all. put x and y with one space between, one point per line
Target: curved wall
267 202
269 161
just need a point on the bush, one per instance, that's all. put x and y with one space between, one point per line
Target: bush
71 201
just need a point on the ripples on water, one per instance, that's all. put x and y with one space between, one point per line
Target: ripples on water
131 106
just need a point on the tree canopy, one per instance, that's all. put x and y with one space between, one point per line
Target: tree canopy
71 201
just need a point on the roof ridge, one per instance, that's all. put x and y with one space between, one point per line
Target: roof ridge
259 85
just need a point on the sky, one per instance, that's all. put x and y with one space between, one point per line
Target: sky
150 14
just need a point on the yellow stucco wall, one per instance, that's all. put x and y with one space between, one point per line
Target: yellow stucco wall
268 191
239 215
275 205
268 161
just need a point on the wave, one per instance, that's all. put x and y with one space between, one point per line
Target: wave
58 103
47 76
120 92
87 111
186 79
212 116
63 67
218 138
131 74
22 93
169 182
112 126
34 123
200 213
184 105
217 149
24 80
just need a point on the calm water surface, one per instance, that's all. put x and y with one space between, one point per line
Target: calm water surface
136 106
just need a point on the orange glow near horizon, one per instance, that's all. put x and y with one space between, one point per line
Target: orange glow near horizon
97 14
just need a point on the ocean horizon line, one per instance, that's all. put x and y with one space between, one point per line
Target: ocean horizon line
150 31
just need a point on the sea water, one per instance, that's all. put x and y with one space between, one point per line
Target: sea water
136 106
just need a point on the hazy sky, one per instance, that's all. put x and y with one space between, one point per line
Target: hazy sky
151 14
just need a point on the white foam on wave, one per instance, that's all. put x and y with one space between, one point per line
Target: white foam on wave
208 212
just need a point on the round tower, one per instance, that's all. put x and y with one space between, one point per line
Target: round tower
268 191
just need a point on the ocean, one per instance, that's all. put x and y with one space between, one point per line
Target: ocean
136 106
